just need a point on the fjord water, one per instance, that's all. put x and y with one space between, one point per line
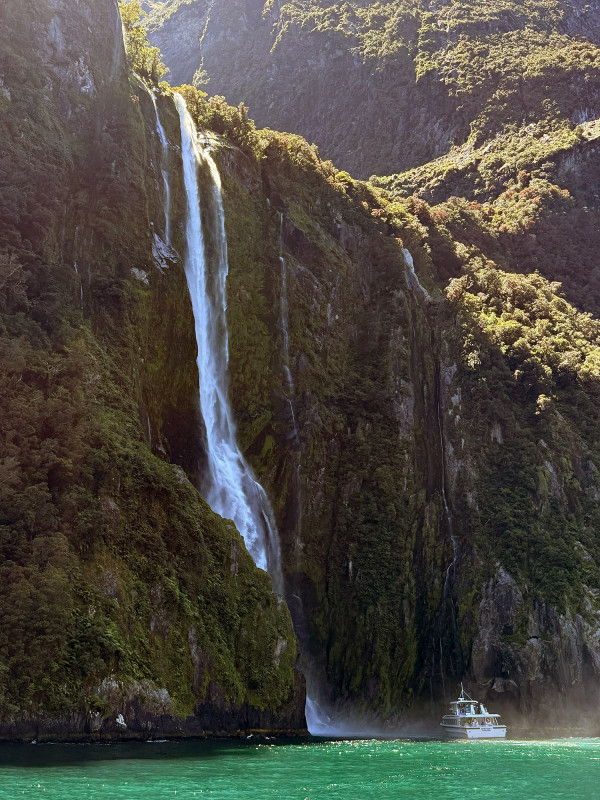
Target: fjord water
315 770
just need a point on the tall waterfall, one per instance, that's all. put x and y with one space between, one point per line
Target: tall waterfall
230 487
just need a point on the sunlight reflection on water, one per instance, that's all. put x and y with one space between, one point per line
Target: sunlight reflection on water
308 770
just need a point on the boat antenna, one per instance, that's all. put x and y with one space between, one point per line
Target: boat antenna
463 694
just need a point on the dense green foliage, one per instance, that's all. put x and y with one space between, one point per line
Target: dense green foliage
438 425
513 364
387 86
112 566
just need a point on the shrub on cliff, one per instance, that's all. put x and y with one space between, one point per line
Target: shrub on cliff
144 59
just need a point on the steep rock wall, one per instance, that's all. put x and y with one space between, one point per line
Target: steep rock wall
435 493
128 608
415 460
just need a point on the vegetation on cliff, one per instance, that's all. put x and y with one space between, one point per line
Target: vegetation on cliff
481 385
121 590
384 87
435 427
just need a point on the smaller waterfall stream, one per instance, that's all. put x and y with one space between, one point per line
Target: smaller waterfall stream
416 285
449 520
120 46
230 487
285 330
414 278
164 165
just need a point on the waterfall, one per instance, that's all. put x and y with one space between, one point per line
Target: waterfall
415 284
229 487
119 49
318 720
76 265
449 519
413 277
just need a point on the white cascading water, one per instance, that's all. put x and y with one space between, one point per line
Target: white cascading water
119 49
412 275
164 169
230 487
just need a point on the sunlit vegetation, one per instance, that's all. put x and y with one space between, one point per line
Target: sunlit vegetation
415 80
143 59
102 531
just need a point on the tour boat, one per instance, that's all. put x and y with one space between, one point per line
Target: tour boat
469 719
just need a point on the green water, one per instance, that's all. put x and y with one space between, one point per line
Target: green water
334 770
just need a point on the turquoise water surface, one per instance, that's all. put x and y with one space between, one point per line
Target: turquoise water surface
334 770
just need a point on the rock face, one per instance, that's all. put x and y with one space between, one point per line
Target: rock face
422 416
128 608
412 467
545 661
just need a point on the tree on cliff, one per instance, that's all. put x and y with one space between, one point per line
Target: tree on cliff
143 59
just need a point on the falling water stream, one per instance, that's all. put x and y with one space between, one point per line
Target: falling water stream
416 285
164 171
449 520
164 167
76 265
230 487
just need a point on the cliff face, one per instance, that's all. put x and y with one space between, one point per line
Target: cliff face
128 607
381 88
421 410
433 457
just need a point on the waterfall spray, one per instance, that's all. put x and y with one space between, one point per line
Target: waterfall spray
229 487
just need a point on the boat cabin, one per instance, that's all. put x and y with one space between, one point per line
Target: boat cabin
470 719
467 708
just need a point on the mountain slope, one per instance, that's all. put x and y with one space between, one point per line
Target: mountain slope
383 87
419 403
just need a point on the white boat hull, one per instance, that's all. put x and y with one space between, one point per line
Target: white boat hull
474 732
